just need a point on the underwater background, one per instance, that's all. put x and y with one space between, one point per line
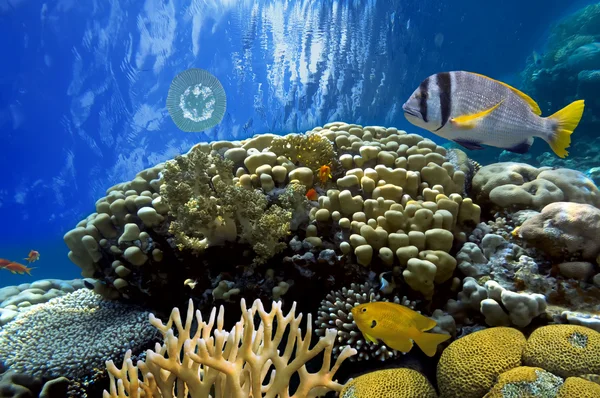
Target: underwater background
83 85
324 201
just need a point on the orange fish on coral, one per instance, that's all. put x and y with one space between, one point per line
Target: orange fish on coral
312 194
32 256
324 173
398 326
16 268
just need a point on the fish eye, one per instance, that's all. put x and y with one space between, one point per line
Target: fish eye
364 310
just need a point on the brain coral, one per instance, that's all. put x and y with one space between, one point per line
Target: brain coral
470 365
578 387
525 382
389 383
565 350
72 336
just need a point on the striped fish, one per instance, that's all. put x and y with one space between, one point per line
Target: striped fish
474 110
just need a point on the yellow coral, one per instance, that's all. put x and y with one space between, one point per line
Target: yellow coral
389 383
579 388
470 365
565 350
312 150
525 382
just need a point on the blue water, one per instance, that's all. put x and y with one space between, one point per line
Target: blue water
83 85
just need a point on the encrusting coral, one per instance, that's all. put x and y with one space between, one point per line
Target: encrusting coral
246 361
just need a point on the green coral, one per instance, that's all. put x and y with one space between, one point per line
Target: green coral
311 150
208 209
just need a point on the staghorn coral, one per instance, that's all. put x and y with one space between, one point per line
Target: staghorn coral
72 335
565 350
470 365
231 364
334 312
389 383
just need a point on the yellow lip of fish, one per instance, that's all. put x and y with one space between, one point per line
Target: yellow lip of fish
397 326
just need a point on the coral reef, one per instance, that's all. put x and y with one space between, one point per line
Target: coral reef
519 186
72 336
469 366
233 218
488 363
568 68
14 299
23 386
397 383
565 231
232 364
334 313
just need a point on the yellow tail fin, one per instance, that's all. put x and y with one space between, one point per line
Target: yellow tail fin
567 120
428 342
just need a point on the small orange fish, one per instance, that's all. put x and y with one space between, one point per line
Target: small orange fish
312 194
32 256
17 268
324 173
398 326
4 262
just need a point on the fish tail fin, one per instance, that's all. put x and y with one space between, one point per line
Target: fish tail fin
566 120
428 342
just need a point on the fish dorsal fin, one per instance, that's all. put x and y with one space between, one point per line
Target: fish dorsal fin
421 322
470 121
535 108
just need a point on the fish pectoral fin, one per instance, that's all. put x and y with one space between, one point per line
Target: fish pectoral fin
522 147
535 108
428 342
370 338
472 145
468 122
400 343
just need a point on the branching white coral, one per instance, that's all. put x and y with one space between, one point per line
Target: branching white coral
229 364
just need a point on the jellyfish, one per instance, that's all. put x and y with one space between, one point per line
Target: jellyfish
196 100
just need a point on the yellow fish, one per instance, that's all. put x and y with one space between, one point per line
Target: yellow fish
397 326
474 110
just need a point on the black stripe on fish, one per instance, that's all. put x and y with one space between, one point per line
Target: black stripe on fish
444 83
424 91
